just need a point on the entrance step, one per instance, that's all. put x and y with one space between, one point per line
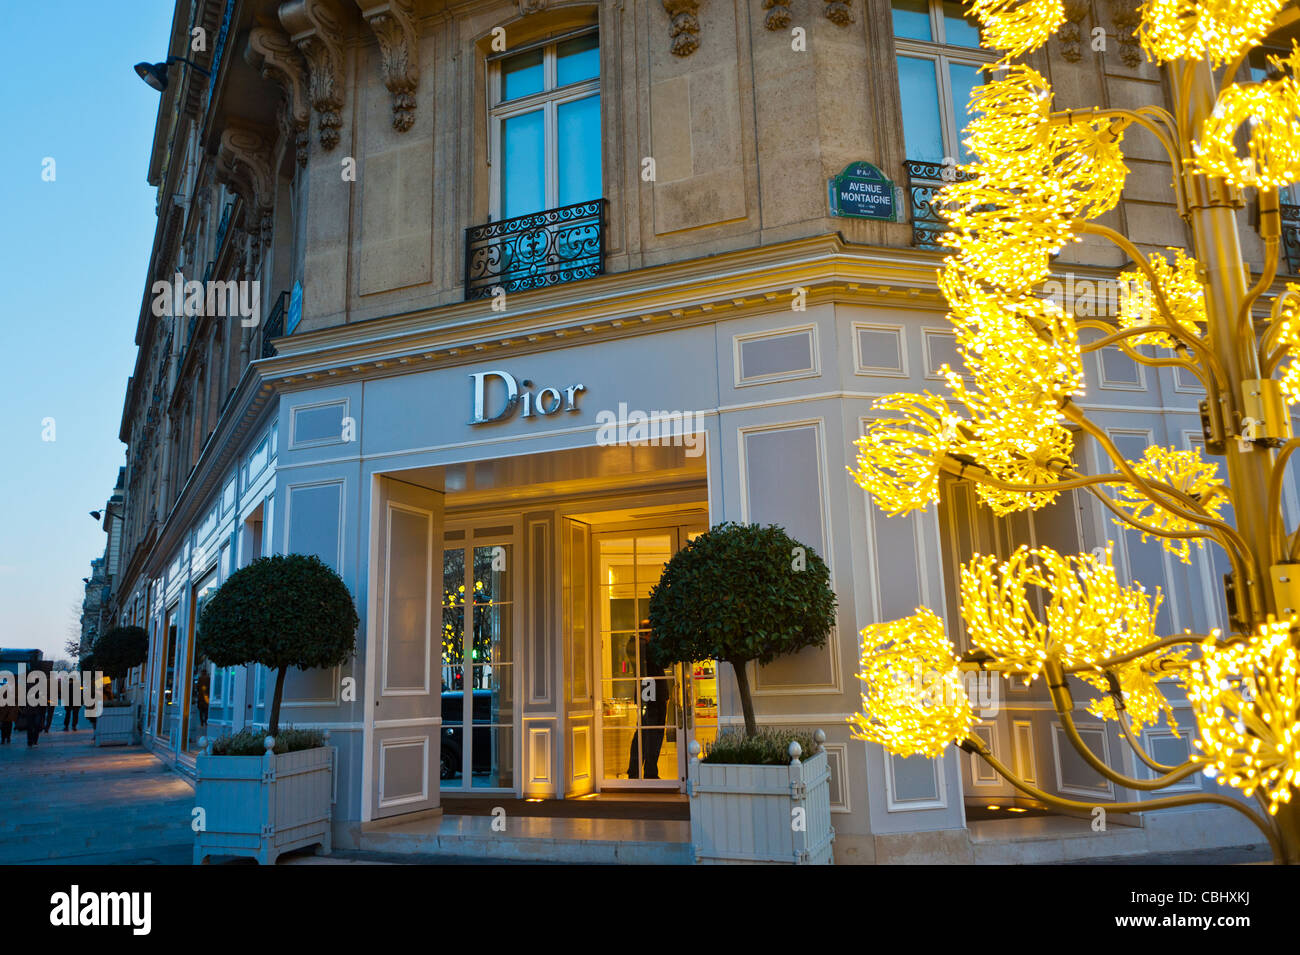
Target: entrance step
538 839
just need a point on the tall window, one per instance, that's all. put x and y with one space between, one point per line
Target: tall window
939 57
546 126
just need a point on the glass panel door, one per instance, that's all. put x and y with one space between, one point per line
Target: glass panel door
644 723
478 674
167 702
196 716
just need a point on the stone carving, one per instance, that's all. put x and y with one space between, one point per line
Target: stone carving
1126 16
1071 32
394 25
244 163
316 28
778 15
685 25
838 12
529 7
271 53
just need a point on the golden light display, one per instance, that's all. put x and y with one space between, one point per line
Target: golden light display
1009 422
1017 26
1270 114
1213 30
1183 470
913 699
1246 697
1184 297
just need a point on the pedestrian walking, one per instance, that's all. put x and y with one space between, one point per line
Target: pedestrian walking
8 717
33 719
71 713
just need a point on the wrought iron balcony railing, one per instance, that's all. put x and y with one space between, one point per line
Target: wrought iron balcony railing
1291 236
924 180
273 327
536 251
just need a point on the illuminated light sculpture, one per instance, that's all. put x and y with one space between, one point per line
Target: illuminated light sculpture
1008 424
1185 471
1212 30
913 698
1184 298
1246 697
1271 110
1017 26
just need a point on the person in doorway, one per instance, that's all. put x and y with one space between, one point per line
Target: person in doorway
202 697
653 692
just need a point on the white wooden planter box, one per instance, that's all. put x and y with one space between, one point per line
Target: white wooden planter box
745 814
115 726
262 806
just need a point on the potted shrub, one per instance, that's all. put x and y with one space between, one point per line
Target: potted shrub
737 593
264 794
113 655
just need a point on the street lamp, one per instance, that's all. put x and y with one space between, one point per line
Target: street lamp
155 74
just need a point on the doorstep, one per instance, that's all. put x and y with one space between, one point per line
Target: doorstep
537 839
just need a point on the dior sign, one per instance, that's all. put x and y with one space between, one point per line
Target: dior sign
518 395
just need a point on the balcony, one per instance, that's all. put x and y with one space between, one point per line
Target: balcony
535 251
274 326
1291 237
924 180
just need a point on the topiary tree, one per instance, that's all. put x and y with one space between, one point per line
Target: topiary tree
289 610
116 652
741 592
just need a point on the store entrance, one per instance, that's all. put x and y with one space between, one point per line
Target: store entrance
646 712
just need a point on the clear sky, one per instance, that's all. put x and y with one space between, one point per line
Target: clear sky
73 257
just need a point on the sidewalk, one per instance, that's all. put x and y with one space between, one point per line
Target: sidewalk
66 802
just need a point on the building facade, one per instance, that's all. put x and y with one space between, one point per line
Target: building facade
542 289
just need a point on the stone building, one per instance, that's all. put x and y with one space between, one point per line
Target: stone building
459 236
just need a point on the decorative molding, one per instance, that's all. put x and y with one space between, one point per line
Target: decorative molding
838 12
316 28
244 163
394 25
271 52
778 14
1127 16
529 7
682 16
1071 33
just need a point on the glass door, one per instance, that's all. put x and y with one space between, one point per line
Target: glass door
477 668
646 711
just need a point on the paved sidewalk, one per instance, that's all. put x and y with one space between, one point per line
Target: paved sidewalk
65 802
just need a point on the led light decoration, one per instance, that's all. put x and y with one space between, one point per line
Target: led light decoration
1246 697
899 458
1184 471
1269 112
1214 30
1007 421
913 699
1289 341
1183 294
1017 26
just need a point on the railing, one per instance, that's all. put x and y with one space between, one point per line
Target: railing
274 325
535 251
1291 236
924 180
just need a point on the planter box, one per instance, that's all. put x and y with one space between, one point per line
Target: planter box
115 726
262 806
744 814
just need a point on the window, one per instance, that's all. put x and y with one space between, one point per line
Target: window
546 126
939 57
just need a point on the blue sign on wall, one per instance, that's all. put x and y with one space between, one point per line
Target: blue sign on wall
862 192
295 309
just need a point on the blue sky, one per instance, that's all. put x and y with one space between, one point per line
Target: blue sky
73 256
